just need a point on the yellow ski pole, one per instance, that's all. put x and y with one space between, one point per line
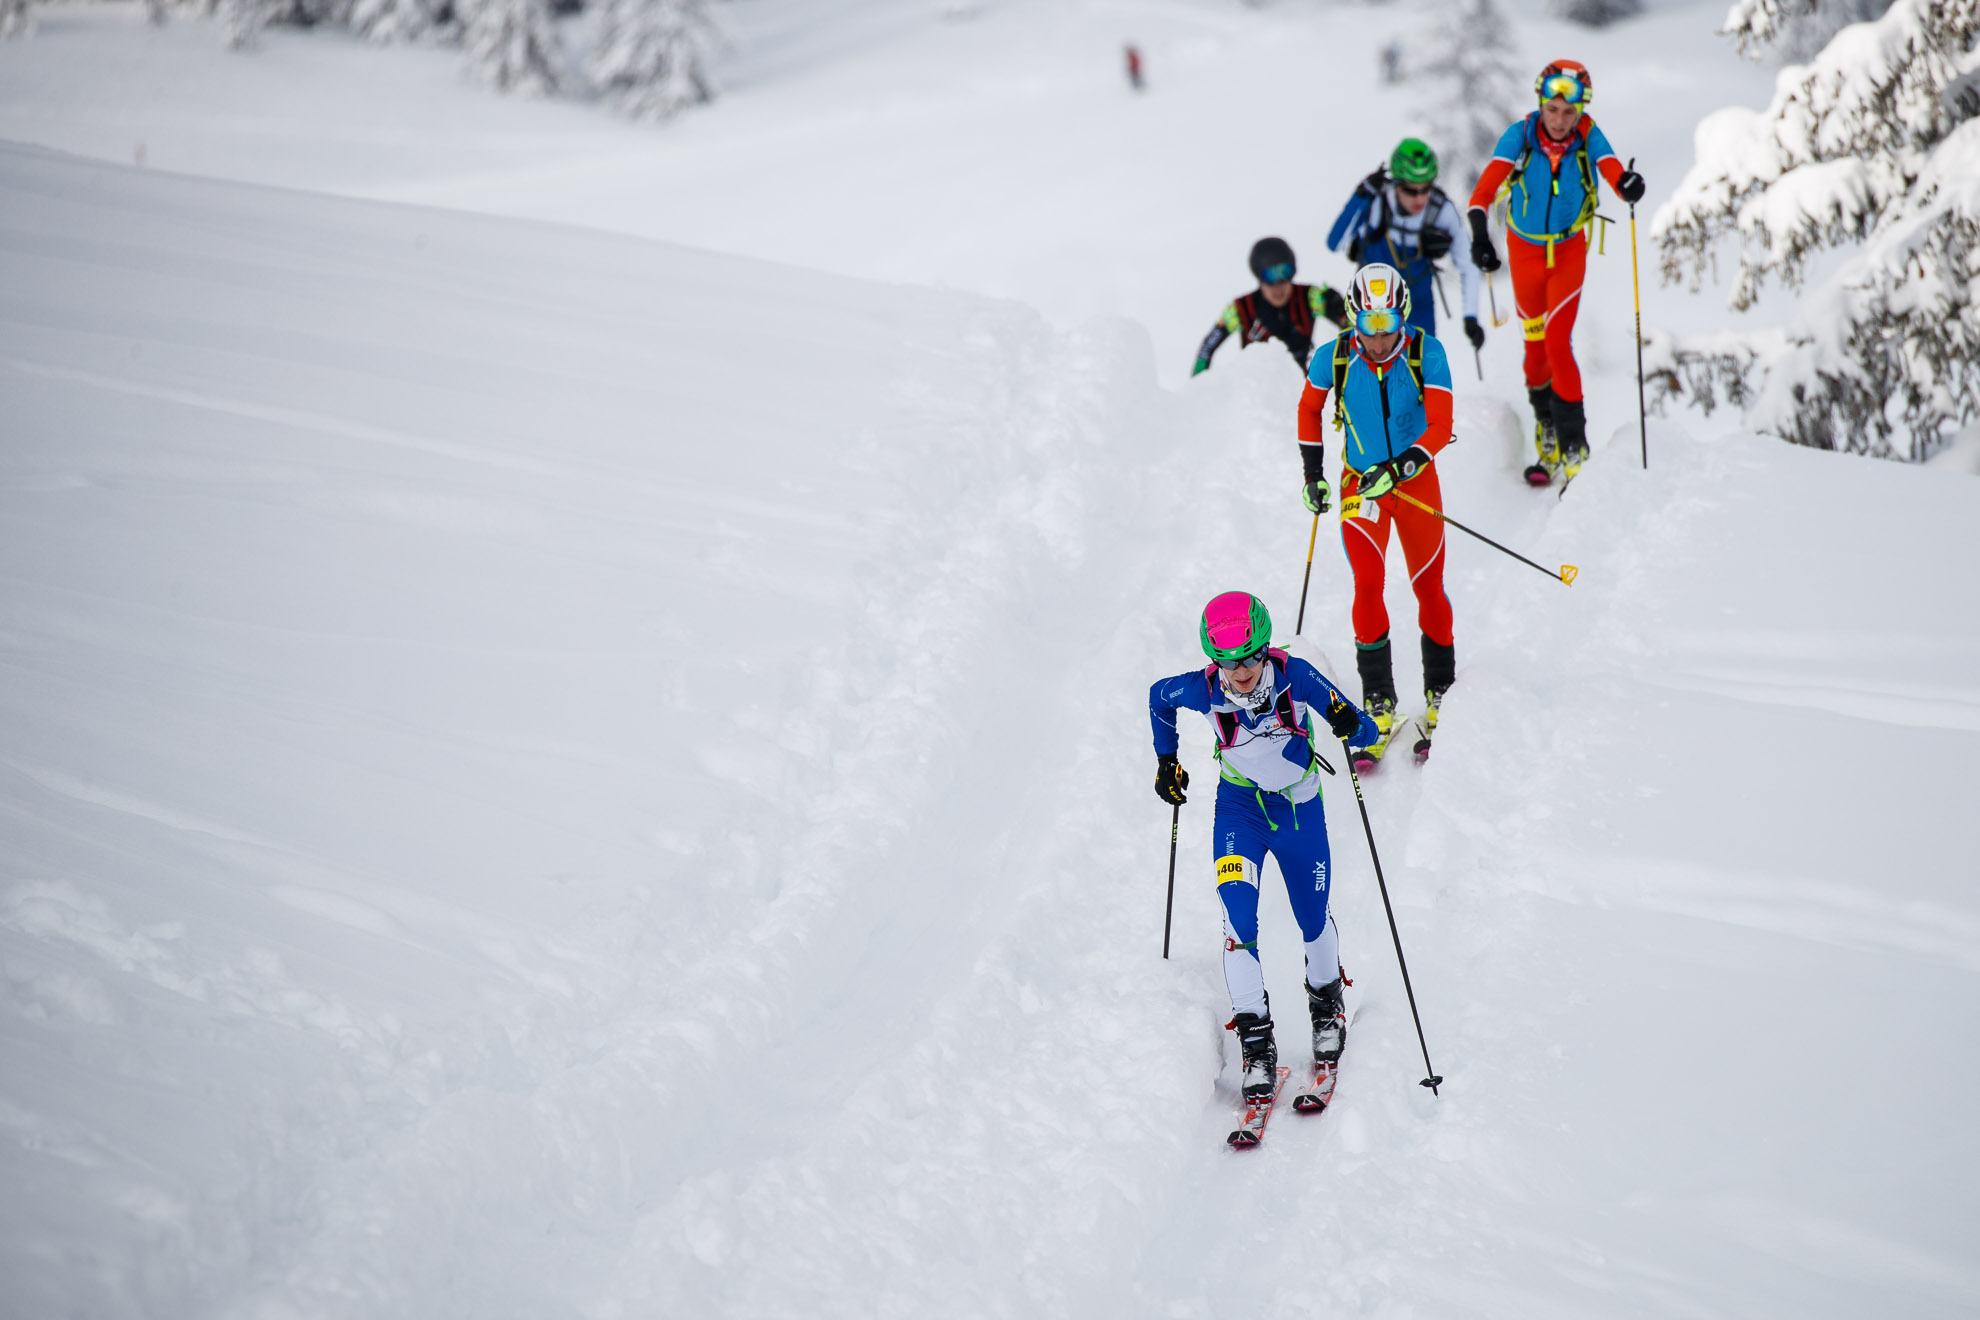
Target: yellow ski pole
1636 288
1568 571
1308 581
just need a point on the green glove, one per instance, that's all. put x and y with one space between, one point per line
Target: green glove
1377 481
1319 496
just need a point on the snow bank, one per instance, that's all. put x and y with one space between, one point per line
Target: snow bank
526 795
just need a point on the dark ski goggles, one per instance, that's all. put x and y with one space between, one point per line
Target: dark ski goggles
1378 321
1413 189
1279 274
1251 661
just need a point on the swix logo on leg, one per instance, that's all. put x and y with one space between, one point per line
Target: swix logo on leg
1319 876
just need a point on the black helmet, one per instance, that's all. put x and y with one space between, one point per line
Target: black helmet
1267 253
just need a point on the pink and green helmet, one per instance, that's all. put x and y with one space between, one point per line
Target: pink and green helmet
1235 625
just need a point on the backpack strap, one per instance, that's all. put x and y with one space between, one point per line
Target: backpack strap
1300 309
1413 359
1342 357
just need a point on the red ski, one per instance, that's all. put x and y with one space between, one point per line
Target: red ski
1320 1093
1251 1125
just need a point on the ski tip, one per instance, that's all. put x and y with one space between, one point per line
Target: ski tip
1421 753
1243 1139
1538 477
1308 1104
1365 764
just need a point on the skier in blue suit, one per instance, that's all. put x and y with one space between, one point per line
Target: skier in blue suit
1260 703
1401 218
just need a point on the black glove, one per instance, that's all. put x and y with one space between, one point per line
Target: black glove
1410 462
1436 242
1333 306
1342 717
1474 332
1482 255
1630 187
1372 185
1170 780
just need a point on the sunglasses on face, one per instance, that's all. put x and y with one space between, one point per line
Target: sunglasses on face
1279 274
1413 190
1378 321
1252 661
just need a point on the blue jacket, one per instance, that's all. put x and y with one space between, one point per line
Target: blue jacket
1546 204
1262 750
1371 438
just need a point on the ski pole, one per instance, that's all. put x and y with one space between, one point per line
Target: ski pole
1433 1081
1566 575
1478 360
1636 290
1307 581
1168 912
1492 292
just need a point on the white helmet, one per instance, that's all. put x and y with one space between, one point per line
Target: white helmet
1379 288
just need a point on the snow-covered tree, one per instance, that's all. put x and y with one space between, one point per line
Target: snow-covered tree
1795 29
1873 142
648 59
13 18
388 21
1471 58
511 45
1595 13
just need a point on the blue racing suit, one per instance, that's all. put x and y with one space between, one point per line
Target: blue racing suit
1268 801
1373 227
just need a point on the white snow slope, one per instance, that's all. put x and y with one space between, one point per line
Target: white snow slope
523 794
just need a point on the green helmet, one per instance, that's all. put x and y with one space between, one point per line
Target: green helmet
1413 161
1235 626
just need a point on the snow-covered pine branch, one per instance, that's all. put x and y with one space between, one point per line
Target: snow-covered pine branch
1795 29
1872 142
511 45
1472 59
386 22
648 57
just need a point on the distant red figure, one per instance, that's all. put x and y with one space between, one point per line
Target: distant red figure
1134 68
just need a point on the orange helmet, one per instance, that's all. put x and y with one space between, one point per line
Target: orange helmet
1567 79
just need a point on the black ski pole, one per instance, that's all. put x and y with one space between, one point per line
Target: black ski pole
1307 581
1433 1081
1478 360
1168 911
1566 575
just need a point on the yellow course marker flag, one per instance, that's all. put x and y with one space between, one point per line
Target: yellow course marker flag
1568 572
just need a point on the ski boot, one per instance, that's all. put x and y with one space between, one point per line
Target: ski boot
1378 698
1381 709
1546 439
1329 1019
1548 442
1439 672
1261 1054
1572 422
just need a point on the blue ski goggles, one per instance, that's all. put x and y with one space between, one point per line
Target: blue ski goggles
1378 321
1564 85
1279 274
